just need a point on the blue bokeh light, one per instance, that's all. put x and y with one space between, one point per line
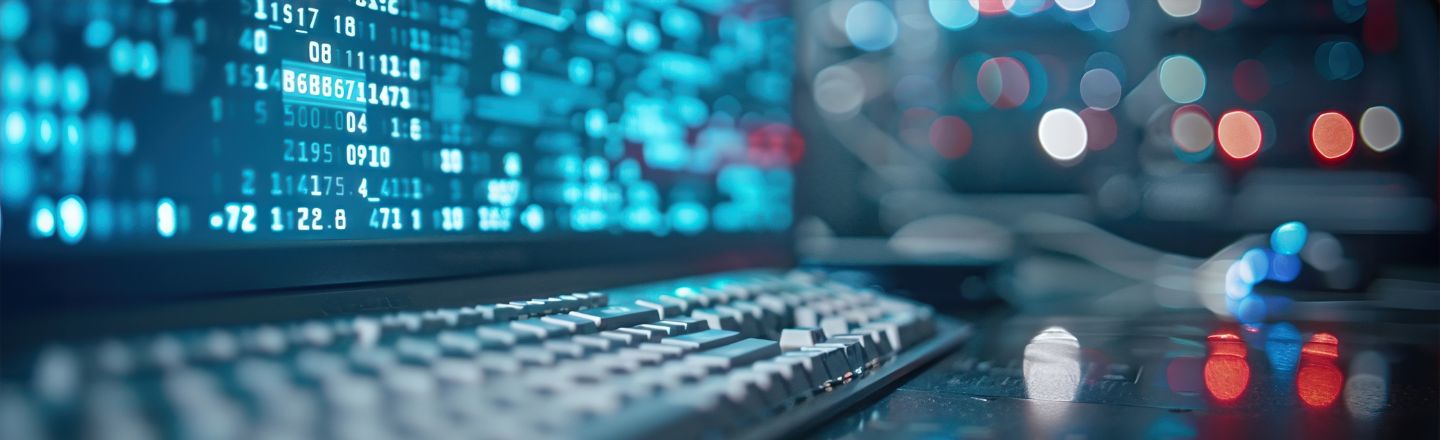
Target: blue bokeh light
871 26
1289 238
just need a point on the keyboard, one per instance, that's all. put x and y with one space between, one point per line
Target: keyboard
747 354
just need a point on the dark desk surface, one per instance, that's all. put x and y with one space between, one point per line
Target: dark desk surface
1174 375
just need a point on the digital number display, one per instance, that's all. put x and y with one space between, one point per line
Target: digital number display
148 123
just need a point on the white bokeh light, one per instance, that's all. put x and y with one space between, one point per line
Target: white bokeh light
1062 134
1180 8
1380 128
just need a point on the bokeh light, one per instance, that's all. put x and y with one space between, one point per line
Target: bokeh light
1215 14
1239 134
1182 79
954 14
1074 5
990 7
1319 381
950 136
1110 15
1349 11
1003 82
1289 238
1191 129
1332 135
1062 134
1339 60
871 26
1380 128
1100 89
1100 127
1251 80
1179 8
72 219
1227 373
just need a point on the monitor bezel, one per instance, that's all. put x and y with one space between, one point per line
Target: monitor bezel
38 281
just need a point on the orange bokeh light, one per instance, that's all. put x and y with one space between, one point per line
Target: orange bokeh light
1332 135
1239 134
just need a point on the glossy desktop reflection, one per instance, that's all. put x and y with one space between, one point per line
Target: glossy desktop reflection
1173 376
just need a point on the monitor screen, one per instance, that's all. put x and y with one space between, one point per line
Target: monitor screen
160 125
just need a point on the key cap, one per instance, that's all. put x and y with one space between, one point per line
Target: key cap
666 310
770 384
882 341
703 340
534 356
643 358
849 351
568 349
691 325
576 324
717 319
661 328
670 351
598 343
792 375
681 304
617 316
866 345
797 338
833 358
458 343
628 339
506 312
501 336
645 334
834 326
417 350
738 354
541 328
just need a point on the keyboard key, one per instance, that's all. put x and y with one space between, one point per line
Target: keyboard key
662 328
849 351
717 319
679 303
738 354
691 325
670 351
458 343
834 361
666 310
502 336
834 326
704 340
645 334
576 324
598 342
628 339
617 316
541 328
797 338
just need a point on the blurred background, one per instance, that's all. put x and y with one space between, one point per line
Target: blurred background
1145 138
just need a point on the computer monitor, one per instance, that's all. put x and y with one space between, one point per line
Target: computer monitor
156 149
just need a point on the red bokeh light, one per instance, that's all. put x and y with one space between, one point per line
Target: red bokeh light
1319 381
1003 82
1215 15
989 7
775 145
1099 128
1227 373
1251 80
1333 135
950 136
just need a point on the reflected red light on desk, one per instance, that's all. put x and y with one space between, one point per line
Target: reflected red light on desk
1319 380
1227 373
